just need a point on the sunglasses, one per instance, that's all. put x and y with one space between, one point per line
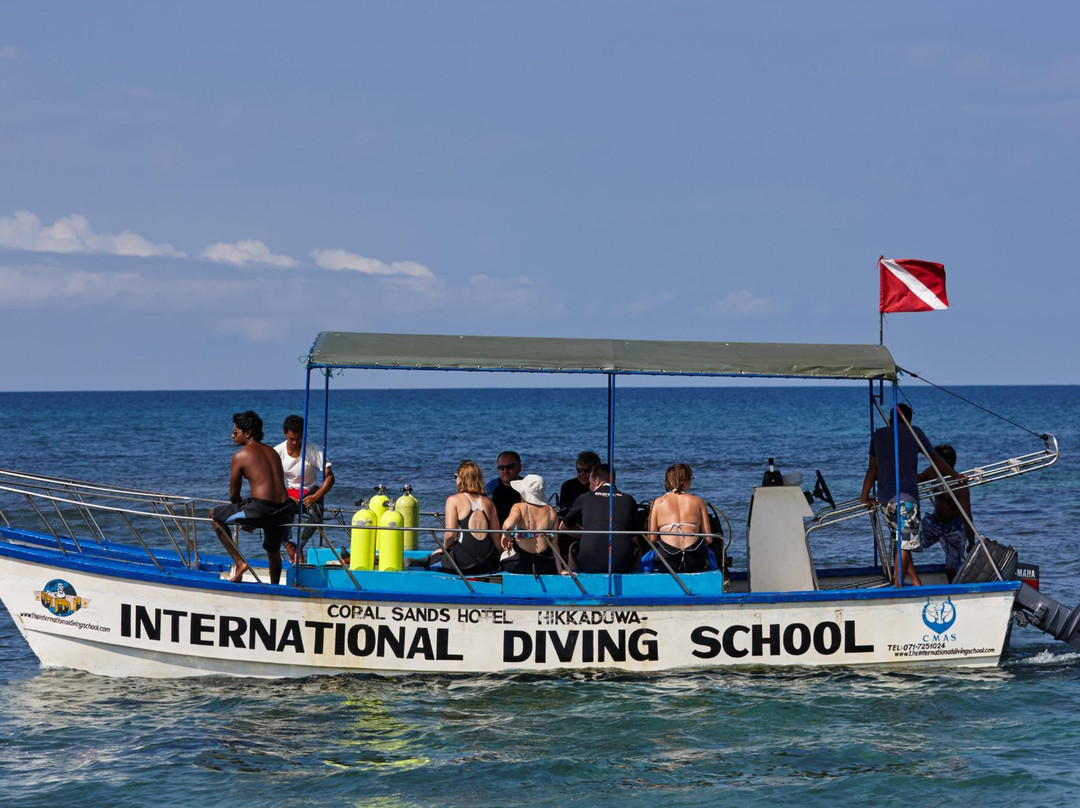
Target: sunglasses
511 467
581 470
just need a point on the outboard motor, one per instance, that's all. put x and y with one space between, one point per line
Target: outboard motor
1032 607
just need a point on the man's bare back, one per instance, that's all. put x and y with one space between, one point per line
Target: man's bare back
268 505
945 509
260 465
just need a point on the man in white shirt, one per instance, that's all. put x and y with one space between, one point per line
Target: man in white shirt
311 497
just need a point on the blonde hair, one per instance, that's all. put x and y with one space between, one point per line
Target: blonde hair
678 477
470 480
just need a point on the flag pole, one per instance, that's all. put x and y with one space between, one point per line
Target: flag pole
881 314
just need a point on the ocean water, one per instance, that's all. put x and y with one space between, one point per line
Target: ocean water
927 737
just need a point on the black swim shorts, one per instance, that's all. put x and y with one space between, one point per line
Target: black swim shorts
251 512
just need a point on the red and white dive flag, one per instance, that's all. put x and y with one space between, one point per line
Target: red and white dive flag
909 285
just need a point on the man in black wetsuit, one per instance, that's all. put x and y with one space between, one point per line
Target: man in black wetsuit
578 485
592 512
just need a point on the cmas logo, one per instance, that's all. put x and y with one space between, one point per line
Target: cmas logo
939 615
60 598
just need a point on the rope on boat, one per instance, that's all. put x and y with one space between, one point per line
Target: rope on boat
1041 436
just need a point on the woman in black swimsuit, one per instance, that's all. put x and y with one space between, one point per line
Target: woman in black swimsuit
468 512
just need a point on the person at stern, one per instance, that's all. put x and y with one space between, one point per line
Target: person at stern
899 499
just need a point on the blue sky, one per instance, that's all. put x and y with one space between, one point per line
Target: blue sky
190 192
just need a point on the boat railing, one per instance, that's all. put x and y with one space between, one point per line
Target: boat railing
160 522
62 504
979 475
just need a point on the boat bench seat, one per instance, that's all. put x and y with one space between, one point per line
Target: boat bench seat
319 556
418 580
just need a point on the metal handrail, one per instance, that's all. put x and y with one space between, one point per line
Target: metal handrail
87 501
979 475
21 475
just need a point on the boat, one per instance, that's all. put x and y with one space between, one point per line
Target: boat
119 581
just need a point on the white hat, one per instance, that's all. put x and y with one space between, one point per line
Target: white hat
531 488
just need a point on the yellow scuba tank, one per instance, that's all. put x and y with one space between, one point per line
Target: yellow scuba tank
380 502
391 539
409 508
362 550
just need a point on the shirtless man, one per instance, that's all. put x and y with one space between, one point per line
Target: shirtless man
268 505
947 523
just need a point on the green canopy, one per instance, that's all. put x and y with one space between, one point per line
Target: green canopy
339 349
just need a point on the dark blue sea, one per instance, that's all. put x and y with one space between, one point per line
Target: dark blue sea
1003 736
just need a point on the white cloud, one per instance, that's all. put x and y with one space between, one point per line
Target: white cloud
9 52
178 287
20 287
341 259
511 293
520 280
998 67
744 303
252 329
246 252
134 91
651 303
73 234
520 294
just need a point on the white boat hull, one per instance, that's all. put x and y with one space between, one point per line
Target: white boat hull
117 625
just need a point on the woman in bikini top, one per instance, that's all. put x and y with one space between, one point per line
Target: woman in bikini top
528 541
533 514
469 511
677 512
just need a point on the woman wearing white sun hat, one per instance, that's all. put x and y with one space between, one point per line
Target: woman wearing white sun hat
527 539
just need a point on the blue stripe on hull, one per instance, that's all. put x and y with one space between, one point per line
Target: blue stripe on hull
640 589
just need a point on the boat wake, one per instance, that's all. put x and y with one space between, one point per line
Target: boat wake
1050 658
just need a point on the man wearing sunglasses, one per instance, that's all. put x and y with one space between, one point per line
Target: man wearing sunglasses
576 486
509 467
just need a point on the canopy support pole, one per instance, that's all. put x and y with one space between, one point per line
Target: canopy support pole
611 479
303 457
896 478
